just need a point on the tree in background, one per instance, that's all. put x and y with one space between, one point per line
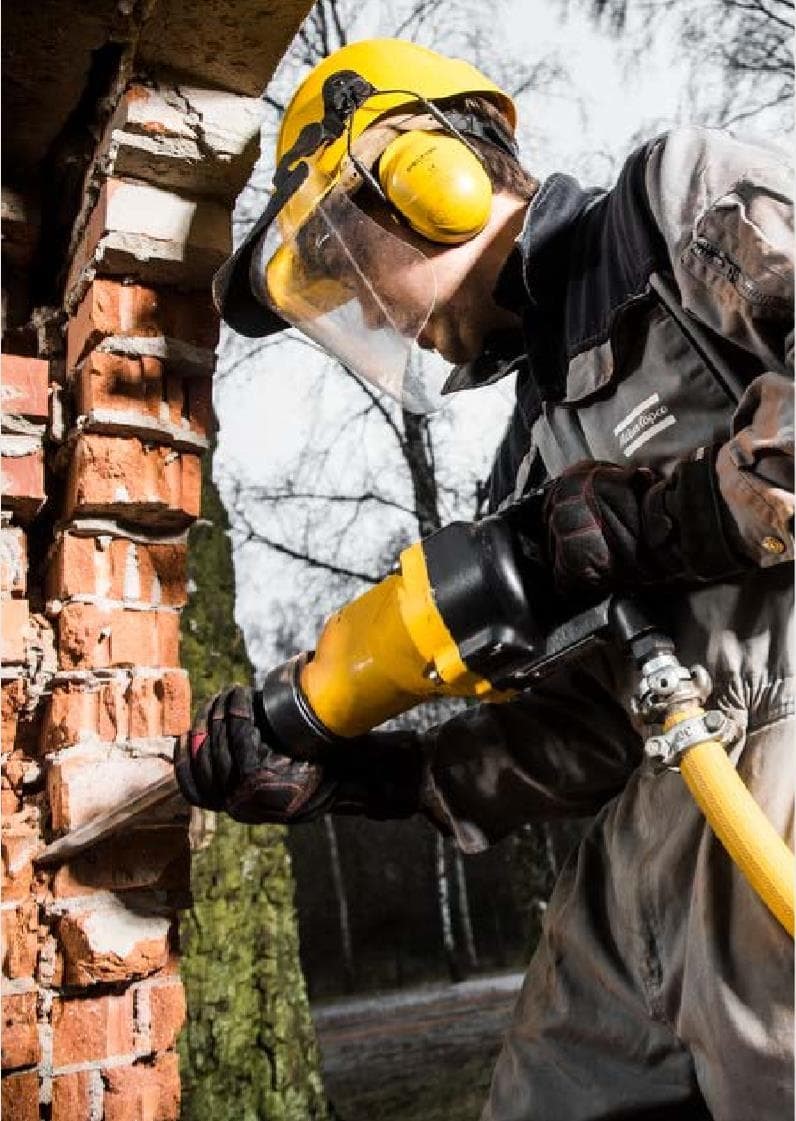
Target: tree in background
750 43
248 1050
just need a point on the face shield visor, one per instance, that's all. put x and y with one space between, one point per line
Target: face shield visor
359 291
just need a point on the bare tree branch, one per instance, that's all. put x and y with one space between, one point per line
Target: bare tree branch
274 102
263 495
307 558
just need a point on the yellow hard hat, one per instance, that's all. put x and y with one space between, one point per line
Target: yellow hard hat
390 65
322 123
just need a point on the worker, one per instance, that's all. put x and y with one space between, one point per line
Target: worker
651 331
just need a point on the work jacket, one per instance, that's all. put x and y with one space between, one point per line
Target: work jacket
658 322
614 371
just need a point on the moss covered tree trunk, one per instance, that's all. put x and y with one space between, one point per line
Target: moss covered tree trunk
248 1051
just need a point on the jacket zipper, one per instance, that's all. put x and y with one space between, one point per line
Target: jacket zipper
728 268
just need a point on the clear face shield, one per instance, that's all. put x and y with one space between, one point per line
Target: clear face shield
359 291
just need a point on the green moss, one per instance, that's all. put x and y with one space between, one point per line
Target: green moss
248 1050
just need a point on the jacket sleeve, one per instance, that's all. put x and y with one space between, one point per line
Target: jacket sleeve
558 751
726 213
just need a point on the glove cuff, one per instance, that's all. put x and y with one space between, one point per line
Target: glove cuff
686 524
378 776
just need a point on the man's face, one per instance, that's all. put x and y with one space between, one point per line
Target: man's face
464 310
368 289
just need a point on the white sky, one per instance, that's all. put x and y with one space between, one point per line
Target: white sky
270 406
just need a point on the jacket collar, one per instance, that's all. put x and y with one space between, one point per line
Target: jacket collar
537 266
531 279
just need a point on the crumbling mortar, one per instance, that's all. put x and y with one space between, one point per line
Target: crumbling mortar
18 985
195 120
117 422
91 525
21 426
154 903
143 747
96 678
48 323
153 747
41 664
184 358
96 1095
44 1006
54 607
108 1063
48 957
142 1021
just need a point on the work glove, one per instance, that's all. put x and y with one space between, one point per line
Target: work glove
612 528
230 762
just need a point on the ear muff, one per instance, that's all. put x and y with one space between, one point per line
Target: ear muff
437 184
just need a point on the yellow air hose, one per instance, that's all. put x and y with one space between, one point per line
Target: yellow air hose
737 820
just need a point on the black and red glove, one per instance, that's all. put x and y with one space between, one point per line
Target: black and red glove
229 762
612 528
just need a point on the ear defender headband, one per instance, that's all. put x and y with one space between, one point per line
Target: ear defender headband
437 181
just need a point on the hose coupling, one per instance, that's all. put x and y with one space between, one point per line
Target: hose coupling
665 683
666 749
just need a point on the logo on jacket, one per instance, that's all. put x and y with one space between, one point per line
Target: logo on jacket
642 423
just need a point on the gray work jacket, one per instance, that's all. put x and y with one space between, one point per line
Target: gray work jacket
616 375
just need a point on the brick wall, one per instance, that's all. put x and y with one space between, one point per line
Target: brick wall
104 425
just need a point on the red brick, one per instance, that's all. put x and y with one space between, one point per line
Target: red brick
145 708
113 718
87 1029
150 234
150 485
20 927
72 713
116 711
17 771
167 1014
20 1038
10 801
176 700
121 384
112 943
22 483
71 1100
145 1091
93 231
24 386
20 728
118 569
75 712
84 783
13 698
113 308
20 842
21 1097
14 618
92 636
144 858
13 561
